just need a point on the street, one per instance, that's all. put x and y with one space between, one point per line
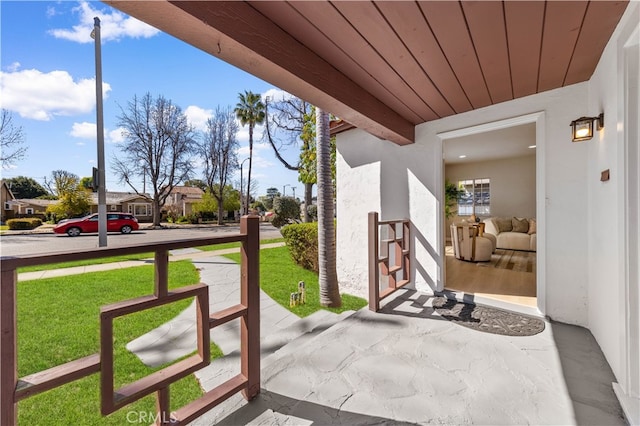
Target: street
18 245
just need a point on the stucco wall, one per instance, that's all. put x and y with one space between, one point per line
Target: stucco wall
405 182
606 200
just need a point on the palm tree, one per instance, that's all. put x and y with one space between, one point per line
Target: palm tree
328 277
249 110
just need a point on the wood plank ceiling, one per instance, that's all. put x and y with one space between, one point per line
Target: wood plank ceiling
386 66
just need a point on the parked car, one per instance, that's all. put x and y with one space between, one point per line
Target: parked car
116 222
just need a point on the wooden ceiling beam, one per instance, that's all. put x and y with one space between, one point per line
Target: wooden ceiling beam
238 34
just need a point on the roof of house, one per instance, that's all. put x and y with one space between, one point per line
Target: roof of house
6 185
33 202
118 197
187 190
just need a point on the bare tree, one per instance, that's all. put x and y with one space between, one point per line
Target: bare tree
159 145
218 147
290 122
327 277
61 182
12 140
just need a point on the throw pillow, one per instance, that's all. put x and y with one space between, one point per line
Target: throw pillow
532 226
520 225
504 225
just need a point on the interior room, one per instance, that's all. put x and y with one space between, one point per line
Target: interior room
490 219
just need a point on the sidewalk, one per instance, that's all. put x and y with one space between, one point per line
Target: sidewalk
174 256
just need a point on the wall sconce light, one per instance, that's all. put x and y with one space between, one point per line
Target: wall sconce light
582 128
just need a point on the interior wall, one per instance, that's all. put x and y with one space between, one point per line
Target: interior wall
513 183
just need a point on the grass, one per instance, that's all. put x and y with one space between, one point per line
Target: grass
279 277
58 321
62 265
237 245
125 258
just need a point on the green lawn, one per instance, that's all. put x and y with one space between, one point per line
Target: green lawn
279 277
234 245
140 256
58 321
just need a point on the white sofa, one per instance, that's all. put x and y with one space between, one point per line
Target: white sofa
512 233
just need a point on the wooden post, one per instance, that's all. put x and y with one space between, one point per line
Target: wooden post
161 278
162 406
374 271
8 348
250 298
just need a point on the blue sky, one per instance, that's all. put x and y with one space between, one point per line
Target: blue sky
47 80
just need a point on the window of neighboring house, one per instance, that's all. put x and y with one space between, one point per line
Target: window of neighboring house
114 207
139 209
29 210
7 206
475 198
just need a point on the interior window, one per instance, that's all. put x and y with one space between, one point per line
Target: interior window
475 197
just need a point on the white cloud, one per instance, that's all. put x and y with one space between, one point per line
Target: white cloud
276 95
113 26
84 130
243 151
41 96
15 66
115 136
198 117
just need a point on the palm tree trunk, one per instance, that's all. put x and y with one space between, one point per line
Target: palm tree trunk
328 277
248 196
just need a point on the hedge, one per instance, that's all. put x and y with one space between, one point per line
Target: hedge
24 224
302 240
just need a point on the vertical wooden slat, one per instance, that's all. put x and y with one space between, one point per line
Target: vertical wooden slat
250 297
161 273
406 235
106 365
8 348
374 274
162 406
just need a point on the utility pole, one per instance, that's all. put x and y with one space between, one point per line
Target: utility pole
102 196
284 189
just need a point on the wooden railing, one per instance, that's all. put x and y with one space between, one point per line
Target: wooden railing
14 389
389 258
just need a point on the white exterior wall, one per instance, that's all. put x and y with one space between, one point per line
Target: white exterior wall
613 297
588 231
407 180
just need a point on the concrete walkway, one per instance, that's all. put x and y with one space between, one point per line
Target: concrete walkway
177 337
407 365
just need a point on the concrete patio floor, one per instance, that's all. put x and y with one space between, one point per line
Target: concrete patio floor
408 365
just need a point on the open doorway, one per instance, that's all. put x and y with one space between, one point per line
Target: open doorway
493 252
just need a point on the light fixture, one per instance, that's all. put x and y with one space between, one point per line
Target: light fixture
582 128
462 156
531 146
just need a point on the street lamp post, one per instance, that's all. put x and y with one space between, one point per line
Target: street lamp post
102 196
294 191
241 189
284 190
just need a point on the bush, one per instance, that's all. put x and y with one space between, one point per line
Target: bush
285 210
23 224
302 240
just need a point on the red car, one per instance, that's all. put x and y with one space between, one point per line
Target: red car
116 222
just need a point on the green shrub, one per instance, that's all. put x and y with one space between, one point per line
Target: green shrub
25 223
285 210
302 240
